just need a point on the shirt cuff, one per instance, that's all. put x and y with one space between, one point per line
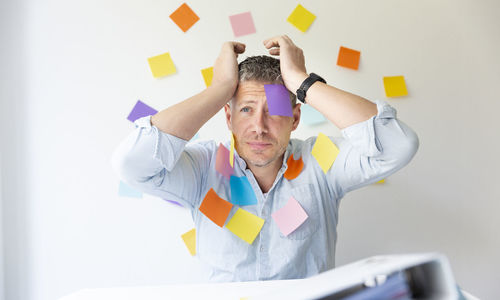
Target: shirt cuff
363 135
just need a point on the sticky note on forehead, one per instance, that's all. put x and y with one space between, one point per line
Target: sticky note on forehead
184 17
301 18
278 100
161 65
325 152
395 86
140 110
245 225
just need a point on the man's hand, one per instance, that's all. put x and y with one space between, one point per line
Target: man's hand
226 68
292 62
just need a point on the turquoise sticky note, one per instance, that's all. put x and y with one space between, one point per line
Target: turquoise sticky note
241 191
127 191
310 116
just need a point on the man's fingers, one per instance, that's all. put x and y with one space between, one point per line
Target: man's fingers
275 51
278 41
239 47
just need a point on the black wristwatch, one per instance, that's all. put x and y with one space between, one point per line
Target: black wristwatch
301 92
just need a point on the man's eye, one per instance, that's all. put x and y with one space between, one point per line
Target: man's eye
245 109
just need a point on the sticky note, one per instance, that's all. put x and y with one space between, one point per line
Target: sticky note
294 167
215 208
140 110
195 137
173 202
348 58
242 24
395 86
126 190
381 181
311 116
278 100
289 217
184 17
208 74
241 191
325 152
189 239
245 225
231 151
301 18
161 65
222 164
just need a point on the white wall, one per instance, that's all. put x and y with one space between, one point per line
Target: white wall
74 69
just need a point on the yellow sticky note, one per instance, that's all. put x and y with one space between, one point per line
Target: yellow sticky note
161 65
381 181
301 18
231 153
245 225
208 74
395 86
189 239
325 152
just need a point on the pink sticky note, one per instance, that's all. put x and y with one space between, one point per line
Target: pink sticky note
222 164
242 24
290 216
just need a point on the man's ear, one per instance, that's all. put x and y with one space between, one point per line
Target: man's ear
296 116
227 110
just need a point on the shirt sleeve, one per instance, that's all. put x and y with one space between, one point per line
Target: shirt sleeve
161 164
372 150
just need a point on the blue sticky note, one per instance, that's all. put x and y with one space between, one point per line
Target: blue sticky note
310 116
241 191
195 137
127 191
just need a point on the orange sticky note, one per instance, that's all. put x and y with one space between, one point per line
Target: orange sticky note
215 208
294 167
348 58
395 86
189 239
184 17
208 74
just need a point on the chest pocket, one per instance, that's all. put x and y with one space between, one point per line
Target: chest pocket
308 199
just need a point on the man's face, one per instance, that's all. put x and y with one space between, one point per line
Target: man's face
260 138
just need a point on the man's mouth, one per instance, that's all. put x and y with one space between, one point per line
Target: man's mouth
259 145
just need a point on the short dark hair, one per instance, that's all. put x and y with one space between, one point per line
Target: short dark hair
262 68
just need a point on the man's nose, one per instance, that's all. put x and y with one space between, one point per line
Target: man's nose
260 122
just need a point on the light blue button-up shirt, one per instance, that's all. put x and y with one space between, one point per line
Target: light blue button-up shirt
171 168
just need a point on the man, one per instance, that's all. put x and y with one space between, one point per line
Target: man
156 159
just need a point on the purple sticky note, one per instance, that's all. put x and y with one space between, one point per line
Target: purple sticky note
174 202
140 110
290 216
242 24
222 164
278 100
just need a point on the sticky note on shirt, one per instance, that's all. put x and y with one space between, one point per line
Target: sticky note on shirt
290 217
189 239
241 191
325 152
311 116
161 65
140 110
348 58
231 151
173 202
208 75
245 225
278 100
215 208
125 190
294 167
242 24
301 18
395 86
222 164
184 17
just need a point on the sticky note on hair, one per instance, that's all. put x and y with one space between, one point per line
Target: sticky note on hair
222 164
241 191
348 58
245 225
125 190
311 116
161 65
325 152
395 86
301 18
290 217
184 17
294 167
242 24
189 239
278 100
208 74
140 110
215 208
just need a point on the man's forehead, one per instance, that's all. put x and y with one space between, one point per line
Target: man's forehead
250 91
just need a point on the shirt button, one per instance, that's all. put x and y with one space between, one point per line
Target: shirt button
261 248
